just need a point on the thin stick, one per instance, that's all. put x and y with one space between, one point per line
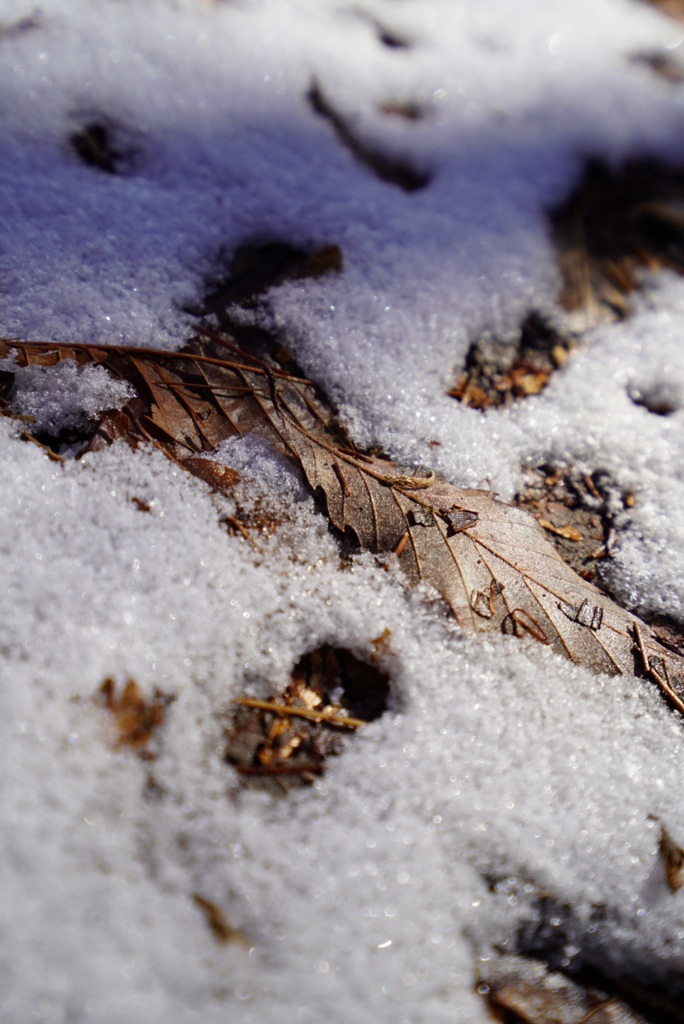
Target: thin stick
641 649
329 717
399 550
340 476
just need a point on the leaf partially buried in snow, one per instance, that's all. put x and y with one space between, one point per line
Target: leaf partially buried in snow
525 991
490 561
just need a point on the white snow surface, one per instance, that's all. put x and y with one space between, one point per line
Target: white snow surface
370 895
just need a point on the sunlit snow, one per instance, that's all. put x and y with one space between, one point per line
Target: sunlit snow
500 772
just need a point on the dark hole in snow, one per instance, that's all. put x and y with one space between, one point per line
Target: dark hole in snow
661 400
6 384
97 146
285 741
252 270
522 990
391 39
618 224
553 943
14 29
255 268
69 441
340 677
498 373
580 512
663 66
583 515
549 932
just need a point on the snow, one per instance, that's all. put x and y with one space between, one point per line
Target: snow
65 396
499 772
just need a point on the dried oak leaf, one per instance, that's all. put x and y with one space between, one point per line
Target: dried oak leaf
489 561
526 992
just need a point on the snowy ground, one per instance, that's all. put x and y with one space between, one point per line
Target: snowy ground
367 896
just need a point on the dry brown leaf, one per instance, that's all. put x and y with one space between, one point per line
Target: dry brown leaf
490 561
672 857
528 992
222 931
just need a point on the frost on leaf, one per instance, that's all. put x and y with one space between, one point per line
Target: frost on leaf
60 405
480 552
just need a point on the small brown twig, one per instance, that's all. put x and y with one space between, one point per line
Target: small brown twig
328 717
